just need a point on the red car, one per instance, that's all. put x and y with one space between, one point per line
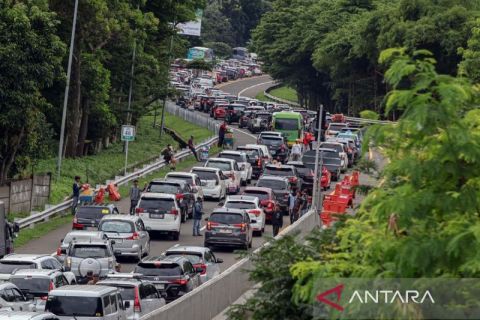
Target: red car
266 197
326 179
219 112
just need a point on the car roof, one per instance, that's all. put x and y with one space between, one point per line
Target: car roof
180 174
220 160
93 242
187 248
82 291
118 279
269 177
233 152
6 285
164 259
283 166
295 163
123 217
262 189
206 169
24 315
229 210
87 233
273 133
34 272
242 198
327 150
157 195
23 257
170 181
106 205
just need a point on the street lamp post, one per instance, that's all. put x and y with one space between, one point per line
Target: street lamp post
67 88
317 201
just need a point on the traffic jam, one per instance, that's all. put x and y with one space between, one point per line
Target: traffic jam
267 182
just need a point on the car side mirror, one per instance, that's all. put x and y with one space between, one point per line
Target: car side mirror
219 260
221 204
126 304
253 221
206 219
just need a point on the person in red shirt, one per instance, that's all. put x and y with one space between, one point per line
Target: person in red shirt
306 140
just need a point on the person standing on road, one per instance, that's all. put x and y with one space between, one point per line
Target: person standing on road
197 217
296 151
291 205
277 221
221 134
298 206
75 194
191 146
134 196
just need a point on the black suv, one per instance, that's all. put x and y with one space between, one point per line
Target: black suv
305 174
89 216
182 191
277 147
234 112
172 276
245 118
255 159
286 171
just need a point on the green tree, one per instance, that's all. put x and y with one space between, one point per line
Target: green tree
470 65
30 59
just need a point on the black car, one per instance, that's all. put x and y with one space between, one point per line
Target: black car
172 276
182 190
289 172
280 187
305 174
89 216
329 159
229 227
276 146
245 118
234 112
255 159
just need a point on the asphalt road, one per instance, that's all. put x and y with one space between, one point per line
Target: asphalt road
49 243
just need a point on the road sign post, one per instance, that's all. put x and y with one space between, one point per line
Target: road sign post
128 135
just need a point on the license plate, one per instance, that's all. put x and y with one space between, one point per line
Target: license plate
160 286
157 215
225 231
117 240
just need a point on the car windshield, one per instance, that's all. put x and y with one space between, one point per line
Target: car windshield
235 157
188 179
283 172
226 218
89 251
92 212
157 204
273 184
286 124
74 306
193 257
251 153
303 170
38 287
206 175
334 161
336 127
127 292
116 226
224 166
240 205
163 188
336 147
260 195
159 269
7 267
271 141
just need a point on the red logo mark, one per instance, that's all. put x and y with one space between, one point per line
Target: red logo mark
338 291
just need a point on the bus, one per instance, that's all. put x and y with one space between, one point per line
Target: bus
200 53
290 124
240 53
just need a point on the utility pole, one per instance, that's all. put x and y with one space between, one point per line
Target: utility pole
67 88
316 193
129 107
169 61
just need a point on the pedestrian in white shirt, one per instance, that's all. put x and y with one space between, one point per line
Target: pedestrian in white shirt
296 151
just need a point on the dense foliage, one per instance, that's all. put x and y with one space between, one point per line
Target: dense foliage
33 59
328 49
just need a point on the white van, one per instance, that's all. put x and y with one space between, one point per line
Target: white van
86 302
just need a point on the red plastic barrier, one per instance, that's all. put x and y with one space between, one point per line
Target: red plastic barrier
100 196
113 193
336 207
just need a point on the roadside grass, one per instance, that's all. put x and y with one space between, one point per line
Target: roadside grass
96 169
261 96
286 93
41 229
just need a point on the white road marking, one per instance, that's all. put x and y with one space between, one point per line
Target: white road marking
254 86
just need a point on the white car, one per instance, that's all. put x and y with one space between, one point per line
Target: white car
230 169
252 206
160 212
266 153
334 128
191 178
213 182
242 161
340 148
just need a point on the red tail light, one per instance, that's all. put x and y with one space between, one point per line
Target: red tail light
59 251
292 179
242 226
231 175
211 224
134 236
139 210
203 266
255 212
77 225
50 286
136 302
181 282
174 212
179 196
270 205
259 162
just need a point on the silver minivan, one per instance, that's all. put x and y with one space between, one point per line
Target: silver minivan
130 238
86 302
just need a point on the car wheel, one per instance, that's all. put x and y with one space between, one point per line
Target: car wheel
139 256
176 235
147 249
243 183
250 243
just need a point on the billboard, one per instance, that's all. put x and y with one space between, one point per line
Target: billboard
192 28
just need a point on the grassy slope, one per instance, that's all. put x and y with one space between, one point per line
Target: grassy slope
285 93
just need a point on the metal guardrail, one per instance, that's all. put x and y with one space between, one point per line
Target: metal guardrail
225 289
59 208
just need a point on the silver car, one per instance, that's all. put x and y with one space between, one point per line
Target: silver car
78 235
128 233
140 297
11 298
200 257
20 315
84 257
